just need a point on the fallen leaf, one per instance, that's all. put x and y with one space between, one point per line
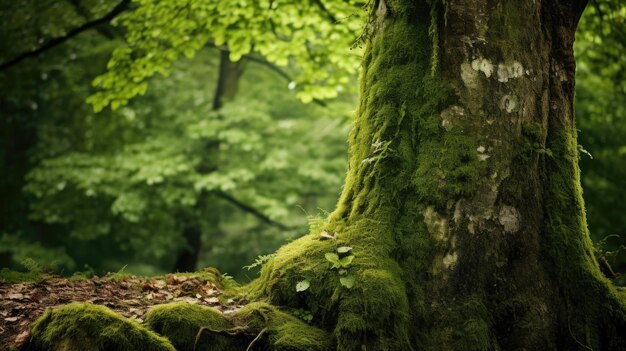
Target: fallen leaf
22 337
303 285
325 236
212 300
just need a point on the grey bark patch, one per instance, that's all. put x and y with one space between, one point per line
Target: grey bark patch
483 65
512 71
469 76
450 259
508 103
436 224
449 115
509 218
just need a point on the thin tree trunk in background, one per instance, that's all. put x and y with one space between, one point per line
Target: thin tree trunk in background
227 85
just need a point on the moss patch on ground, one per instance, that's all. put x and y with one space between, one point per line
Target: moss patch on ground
81 326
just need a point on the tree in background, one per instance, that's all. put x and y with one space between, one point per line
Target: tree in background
601 116
134 179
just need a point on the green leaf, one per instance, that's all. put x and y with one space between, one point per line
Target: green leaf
347 281
303 285
342 271
334 259
346 261
344 249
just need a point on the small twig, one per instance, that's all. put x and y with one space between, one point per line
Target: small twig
256 339
227 332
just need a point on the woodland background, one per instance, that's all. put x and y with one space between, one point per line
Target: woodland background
101 172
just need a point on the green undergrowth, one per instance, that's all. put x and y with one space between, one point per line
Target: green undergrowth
85 327
8 276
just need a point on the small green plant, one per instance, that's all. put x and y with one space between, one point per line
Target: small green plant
86 274
337 261
227 280
341 261
305 315
316 222
31 265
120 274
603 256
259 261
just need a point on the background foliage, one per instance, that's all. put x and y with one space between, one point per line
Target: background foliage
119 181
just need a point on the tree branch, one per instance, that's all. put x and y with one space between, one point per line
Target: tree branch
329 14
86 15
121 7
281 73
253 211
271 66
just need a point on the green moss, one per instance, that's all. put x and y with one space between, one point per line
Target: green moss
399 101
280 331
81 326
181 323
284 331
375 309
573 264
464 326
9 276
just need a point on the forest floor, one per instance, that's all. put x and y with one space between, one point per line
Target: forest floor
23 303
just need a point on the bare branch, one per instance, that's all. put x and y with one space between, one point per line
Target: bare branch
281 73
271 66
121 7
253 211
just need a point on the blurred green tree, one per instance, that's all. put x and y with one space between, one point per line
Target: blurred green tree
601 118
138 177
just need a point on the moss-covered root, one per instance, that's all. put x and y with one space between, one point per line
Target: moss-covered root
87 327
284 331
277 330
182 324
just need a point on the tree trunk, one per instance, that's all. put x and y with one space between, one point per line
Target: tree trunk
187 258
229 75
462 203
461 225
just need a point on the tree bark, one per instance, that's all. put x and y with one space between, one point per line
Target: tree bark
462 202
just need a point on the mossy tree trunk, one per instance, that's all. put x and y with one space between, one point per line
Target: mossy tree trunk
462 203
461 225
